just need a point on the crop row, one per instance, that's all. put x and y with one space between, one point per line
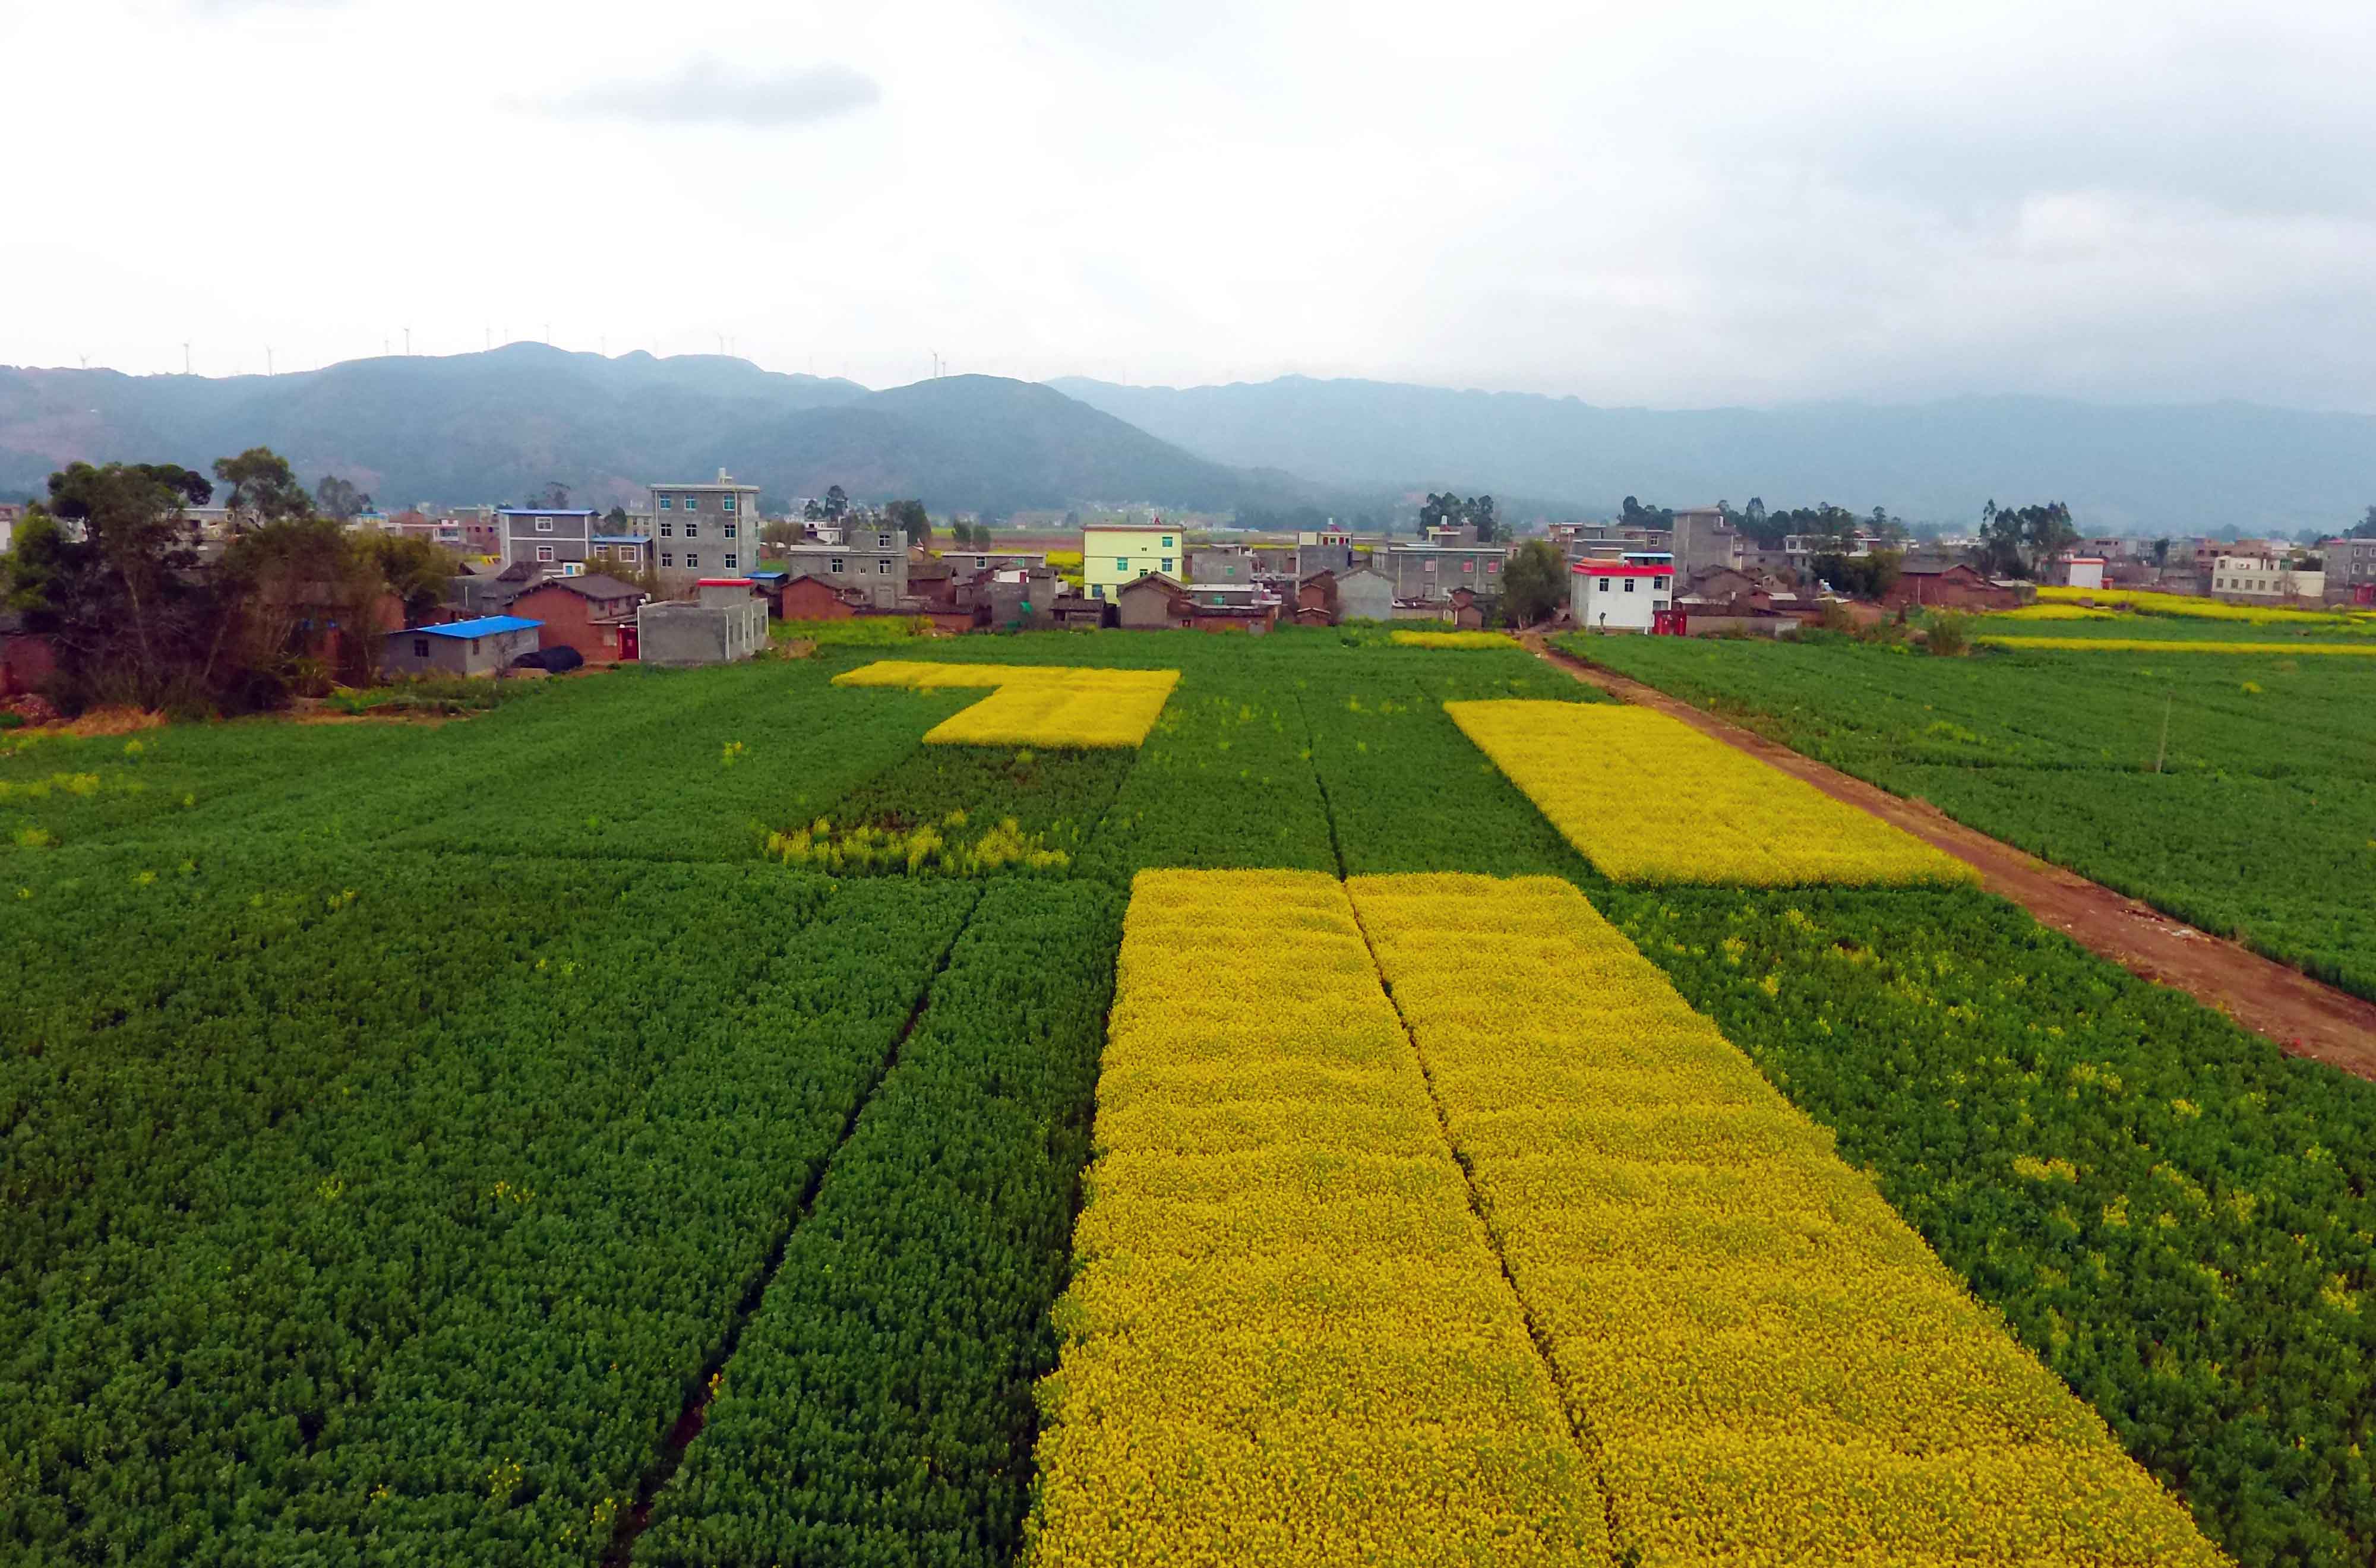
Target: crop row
2159 776
878 1408
1287 1340
423 1249
1647 798
2172 1214
1774 1367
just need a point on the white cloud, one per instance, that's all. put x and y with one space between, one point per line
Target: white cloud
1707 202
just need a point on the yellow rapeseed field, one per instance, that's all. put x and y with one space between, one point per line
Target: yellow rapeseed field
1774 1367
2056 612
1453 640
1033 705
1647 798
2194 607
2173 645
1287 1340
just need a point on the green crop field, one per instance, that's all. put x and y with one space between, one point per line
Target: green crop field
495 1141
2235 790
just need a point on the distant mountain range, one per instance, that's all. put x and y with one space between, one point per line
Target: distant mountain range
497 426
2223 467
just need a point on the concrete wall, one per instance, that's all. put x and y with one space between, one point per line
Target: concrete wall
1364 595
676 634
880 573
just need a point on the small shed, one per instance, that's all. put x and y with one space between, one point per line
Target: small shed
1150 602
730 624
2087 571
461 647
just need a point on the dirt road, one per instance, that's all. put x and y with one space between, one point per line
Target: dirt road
2305 1017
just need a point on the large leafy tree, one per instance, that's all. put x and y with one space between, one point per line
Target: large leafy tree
909 517
262 489
2014 542
1534 582
340 499
107 569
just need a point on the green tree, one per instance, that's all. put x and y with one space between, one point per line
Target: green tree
1860 577
553 497
615 519
837 503
108 571
1534 582
263 489
340 499
909 519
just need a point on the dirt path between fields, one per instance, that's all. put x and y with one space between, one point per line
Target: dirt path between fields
2305 1016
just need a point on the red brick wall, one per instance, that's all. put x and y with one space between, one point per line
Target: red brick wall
570 620
809 600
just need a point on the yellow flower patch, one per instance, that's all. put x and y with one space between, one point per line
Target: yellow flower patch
1647 798
1453 640
2193 607
1033 705
1287 1340
1774 1367
2174 645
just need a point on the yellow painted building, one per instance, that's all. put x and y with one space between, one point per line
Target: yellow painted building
1112 555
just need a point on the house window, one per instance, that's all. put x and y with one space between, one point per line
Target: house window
544 525
601 552
1604 584
882 542
729 530
1167 542
835 566
1166 564
630 553
420 647
667 503
1491 568
544 552
725 503
884 566
1662 585
691 560
667 559
1431 566
980 562
1470 566
1122 563
730 563
692 504
668 530
1629 585
692 528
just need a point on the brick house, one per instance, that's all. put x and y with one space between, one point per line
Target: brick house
1433 571
596 615
807 597
873 560
1149 602
1956 585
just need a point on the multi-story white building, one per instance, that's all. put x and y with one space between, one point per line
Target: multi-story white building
2264 577
1619 596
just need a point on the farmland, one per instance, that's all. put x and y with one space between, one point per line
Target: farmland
2237 791
496 1142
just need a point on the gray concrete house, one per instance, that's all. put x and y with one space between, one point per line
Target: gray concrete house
483 647
873 561
729 623
537 537
1434 571
1364 593
709 526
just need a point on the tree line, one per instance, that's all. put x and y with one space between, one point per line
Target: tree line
109 567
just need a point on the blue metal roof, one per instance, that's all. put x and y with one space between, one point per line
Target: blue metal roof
484 626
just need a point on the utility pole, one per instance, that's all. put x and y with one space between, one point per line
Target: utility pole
185 359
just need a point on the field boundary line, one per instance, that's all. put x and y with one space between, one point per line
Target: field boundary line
2304 1017
679 1437
1585 1438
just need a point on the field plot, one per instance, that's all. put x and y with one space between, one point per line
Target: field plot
494 1142
1034 705
1775 1367
1647 798
2259 822
1288 1341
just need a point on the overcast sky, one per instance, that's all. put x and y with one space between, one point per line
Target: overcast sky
1678 205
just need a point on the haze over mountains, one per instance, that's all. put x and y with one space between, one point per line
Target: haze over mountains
498 425
2223 468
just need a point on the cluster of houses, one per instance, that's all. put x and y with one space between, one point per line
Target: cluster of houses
2237 570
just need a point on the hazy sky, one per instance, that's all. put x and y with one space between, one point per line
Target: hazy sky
1671 205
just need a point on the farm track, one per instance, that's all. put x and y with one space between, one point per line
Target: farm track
2301 1014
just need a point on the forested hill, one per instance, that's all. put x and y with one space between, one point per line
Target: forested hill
498 425
2221 469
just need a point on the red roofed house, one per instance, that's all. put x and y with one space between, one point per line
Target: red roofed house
592 613
1619 596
